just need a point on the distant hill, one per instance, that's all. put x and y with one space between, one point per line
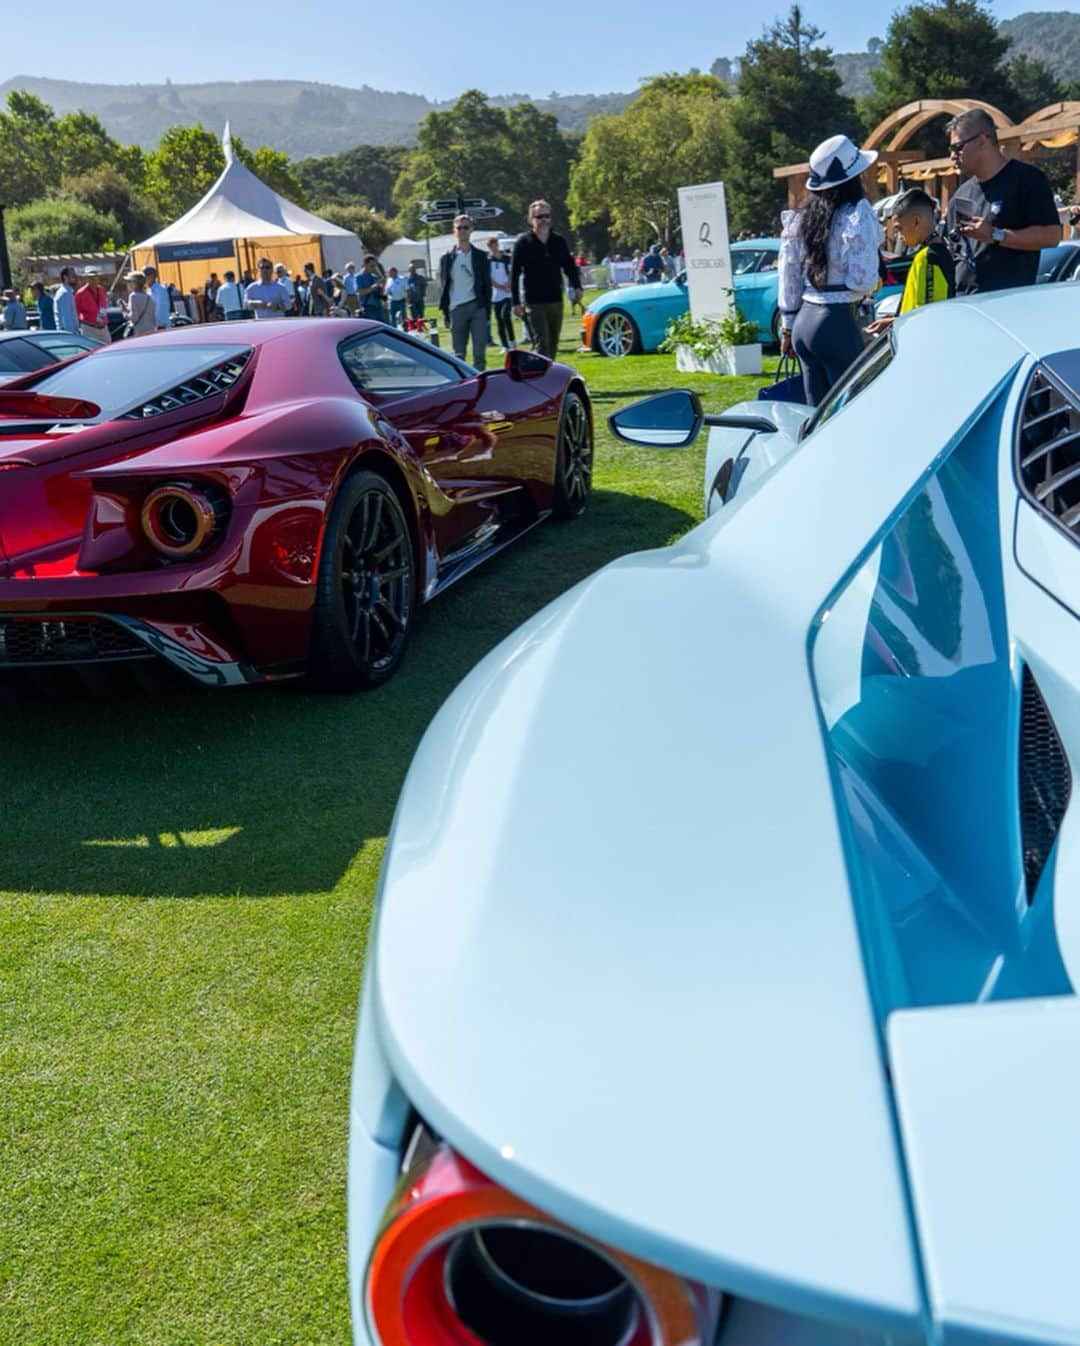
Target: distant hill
291 115
1053 38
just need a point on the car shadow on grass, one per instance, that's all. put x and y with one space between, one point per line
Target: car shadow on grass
189 793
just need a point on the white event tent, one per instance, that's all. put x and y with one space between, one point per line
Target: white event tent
239 219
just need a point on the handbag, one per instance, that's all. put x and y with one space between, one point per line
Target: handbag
787 384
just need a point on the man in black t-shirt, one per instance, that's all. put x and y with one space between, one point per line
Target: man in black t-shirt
1002 216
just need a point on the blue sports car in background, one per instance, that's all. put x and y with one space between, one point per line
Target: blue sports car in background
722 989
632 320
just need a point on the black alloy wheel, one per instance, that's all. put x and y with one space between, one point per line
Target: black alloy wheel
366 588
573 458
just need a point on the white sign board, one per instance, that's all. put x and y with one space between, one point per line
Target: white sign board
703 214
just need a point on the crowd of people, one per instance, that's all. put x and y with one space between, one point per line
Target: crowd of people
999 219
481 293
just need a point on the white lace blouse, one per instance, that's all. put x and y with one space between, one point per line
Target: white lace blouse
852 252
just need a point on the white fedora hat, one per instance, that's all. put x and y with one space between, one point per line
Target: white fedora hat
837 160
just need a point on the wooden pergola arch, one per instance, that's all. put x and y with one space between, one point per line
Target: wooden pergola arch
1052 127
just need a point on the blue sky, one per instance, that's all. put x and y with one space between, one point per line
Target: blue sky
421 46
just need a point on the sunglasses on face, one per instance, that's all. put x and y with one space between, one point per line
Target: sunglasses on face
957 146
541 217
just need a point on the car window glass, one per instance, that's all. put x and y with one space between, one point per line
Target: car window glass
769 261
381 363
61 349
18 357
123 376
745 260
860 376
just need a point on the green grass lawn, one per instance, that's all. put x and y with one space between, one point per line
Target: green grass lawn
187 883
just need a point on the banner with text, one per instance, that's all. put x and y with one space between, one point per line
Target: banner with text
703 214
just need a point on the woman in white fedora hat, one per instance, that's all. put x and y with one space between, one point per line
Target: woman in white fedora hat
828 263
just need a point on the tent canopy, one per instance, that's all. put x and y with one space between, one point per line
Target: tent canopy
240 207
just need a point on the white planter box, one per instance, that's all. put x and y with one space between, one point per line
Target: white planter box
687 362
743 359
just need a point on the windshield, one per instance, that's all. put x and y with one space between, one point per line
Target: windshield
128 375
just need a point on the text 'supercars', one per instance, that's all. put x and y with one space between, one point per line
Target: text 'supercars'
723 982
253 501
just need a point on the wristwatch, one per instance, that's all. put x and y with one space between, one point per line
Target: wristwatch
998 235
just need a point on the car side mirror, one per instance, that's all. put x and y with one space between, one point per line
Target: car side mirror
522 364
668 420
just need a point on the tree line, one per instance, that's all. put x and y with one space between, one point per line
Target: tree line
70 187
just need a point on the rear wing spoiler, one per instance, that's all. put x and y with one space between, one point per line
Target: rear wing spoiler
40 406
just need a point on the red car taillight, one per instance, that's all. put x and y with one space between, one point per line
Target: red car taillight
461 1262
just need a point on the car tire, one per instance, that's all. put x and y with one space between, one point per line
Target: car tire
573 458
616 334
776 320
365 592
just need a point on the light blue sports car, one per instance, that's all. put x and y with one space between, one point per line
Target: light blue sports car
632 320
722 990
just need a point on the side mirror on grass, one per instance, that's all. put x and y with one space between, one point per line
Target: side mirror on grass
673 420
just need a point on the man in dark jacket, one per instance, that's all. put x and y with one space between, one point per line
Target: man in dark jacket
543 258
465 298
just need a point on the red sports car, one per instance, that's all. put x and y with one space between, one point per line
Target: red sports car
254 501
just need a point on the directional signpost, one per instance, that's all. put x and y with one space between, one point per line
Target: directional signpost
439 211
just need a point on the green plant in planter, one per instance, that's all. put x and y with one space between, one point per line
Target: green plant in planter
704 337
736 330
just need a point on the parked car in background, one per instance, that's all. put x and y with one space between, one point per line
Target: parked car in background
24 351
1059 263
722 988
632 320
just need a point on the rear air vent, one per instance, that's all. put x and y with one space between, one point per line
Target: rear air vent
1048 450
218 378
1045 782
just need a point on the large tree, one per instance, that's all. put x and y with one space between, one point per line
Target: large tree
633 163
508 156
38 150
941 49
365 174
788 101
110 193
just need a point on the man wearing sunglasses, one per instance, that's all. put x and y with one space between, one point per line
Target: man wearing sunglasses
541 258
465 296
1002 214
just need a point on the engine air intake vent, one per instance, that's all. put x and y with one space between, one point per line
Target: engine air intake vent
1048 450
1045 782
218 378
